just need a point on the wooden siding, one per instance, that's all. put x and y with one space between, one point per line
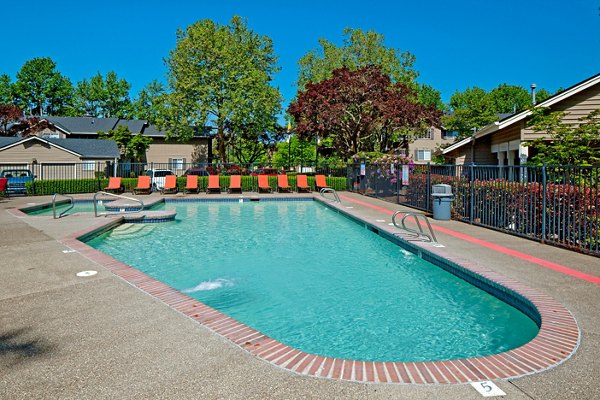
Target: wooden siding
432 143
42 152
160 151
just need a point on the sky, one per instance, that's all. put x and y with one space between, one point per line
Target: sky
457 44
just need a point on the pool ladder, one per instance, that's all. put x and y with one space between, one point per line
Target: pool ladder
336 198
54 205
420 233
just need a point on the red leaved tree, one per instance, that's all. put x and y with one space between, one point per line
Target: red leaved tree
361 109
9 115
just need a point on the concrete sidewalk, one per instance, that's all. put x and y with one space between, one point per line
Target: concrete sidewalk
62 336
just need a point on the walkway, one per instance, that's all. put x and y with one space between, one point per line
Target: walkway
62 336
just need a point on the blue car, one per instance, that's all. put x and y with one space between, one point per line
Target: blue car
17 180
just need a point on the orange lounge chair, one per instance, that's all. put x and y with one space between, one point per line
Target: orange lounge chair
320 182
235 184
170 185
114 185
282 184
263 184
191 184
143 185
213 184
302 184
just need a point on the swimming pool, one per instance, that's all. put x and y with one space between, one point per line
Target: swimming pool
80 206
318 282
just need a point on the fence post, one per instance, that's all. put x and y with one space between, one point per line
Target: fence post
398 182
544 192
428 189
472 196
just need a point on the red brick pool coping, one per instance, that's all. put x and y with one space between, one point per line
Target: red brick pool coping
557 339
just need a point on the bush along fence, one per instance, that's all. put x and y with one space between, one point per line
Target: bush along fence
558 205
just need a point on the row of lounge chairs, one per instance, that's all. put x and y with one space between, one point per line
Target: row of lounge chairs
235 184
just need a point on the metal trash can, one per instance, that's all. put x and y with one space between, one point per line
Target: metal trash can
442 201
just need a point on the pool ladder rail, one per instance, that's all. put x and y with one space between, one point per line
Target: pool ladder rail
54 196
335 199
124 207
420 233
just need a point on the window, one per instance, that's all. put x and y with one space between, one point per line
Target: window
88 165
427 134
450 134
49 135
423 155
176 163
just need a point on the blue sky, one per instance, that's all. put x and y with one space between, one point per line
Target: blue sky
457 44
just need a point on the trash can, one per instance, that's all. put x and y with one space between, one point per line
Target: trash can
442 201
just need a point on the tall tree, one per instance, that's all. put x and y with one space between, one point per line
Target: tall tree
150 102
356 107
470 110
221 74
102 97
38 85
360 49
508 99
6 90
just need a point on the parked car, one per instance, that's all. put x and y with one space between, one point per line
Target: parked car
157 177
196 171
266 171
17 180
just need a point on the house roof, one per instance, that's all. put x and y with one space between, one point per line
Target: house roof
83 125
514 118
84 148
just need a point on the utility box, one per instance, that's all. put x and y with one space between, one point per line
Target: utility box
442 201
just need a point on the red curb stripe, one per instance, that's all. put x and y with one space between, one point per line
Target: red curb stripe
501 249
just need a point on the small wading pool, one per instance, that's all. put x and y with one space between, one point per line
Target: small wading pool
318 282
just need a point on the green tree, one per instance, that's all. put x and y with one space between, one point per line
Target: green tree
221 74
39 87
102 97
130 146
569 144
470 110
296 151
509 99
150 102
360 49
6 90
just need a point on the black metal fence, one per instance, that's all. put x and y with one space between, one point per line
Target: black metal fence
558 205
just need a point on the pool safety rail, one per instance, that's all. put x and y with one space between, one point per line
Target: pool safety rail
335 199
421 234
54 205
126 208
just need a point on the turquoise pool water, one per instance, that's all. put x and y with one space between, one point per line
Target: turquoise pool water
319 282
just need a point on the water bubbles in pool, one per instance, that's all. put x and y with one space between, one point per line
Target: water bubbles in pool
210 285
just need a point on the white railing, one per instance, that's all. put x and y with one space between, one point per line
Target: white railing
54 205
419 233
336 198
120 197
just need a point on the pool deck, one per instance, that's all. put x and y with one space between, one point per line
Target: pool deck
63 336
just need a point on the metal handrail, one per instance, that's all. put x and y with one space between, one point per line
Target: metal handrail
420 232
330 190
54 205
118 196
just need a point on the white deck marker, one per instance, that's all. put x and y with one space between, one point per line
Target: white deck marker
69 251
488 389
87 273
380 220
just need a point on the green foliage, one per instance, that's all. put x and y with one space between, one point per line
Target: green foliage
569 144
475 108
360 49
300 151
41 88
102 97
222 75
6 90
131 146
471 109
150 102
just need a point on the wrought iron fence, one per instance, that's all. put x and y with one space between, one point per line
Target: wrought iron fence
558 205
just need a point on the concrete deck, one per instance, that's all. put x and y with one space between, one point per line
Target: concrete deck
62 336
